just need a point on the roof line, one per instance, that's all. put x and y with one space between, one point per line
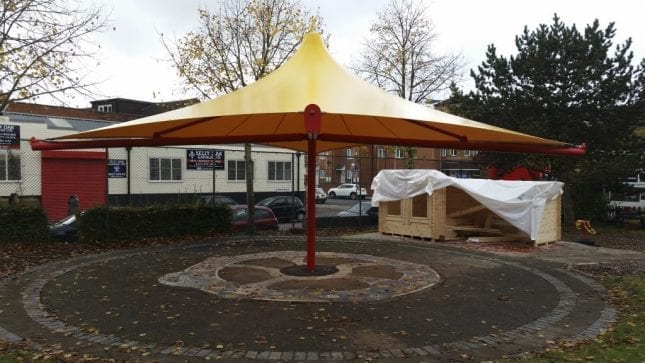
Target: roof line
9 113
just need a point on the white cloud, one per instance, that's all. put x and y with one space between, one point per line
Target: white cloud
132 52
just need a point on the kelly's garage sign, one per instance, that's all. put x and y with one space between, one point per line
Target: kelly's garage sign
9 136
117 168
204 159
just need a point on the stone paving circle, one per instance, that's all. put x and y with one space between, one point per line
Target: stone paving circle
360 277
572 305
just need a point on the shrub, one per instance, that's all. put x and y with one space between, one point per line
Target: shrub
127 224
23 224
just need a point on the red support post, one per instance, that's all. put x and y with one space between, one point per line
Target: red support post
311 204
312 126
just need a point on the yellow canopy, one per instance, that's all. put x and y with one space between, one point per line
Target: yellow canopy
270 111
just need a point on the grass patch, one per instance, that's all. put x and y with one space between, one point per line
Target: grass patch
624 343
13 355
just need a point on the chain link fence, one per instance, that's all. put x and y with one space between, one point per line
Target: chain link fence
337 169
20 180
183 174
155 175
161 175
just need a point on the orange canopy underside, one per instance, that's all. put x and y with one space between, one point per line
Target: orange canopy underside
270 111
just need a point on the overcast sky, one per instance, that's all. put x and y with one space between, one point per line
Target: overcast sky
133 60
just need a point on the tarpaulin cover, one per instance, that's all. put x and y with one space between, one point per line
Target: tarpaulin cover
521 203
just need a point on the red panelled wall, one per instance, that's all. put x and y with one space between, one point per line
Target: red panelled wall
72 172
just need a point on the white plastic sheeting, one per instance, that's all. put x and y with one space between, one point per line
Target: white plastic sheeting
521 203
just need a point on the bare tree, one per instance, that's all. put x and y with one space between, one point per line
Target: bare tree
44 46
241 42
399 56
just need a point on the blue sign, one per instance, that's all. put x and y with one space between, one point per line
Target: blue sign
204 159
117 168
9 136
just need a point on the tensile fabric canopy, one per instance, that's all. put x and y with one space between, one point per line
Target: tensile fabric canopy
310 104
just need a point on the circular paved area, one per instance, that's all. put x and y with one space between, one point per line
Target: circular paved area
481 306
261 276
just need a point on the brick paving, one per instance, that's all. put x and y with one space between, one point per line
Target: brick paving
572 307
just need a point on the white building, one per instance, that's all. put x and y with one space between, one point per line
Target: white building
120 176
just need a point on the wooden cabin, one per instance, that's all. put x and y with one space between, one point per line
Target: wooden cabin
451 213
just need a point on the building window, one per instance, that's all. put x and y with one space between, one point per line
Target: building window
9 165
450 152
380 153
420 206
279 170
393 208
165 169
398 153
350 153
104 108
323 155
236 170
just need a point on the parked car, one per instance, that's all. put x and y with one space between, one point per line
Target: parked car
285 208
347 190
363 207
321 196
264 218
65 229
219 199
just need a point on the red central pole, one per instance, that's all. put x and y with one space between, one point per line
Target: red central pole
312 126
311 204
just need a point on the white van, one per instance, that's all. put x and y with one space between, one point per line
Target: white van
634 200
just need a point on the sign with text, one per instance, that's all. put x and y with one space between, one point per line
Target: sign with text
204 159
117 168
9 136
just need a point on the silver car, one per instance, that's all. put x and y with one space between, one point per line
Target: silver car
321 196
363 208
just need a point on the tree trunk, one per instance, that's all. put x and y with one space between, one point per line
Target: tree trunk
410 157
250 199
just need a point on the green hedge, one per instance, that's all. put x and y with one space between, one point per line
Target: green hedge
127 224
23 224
